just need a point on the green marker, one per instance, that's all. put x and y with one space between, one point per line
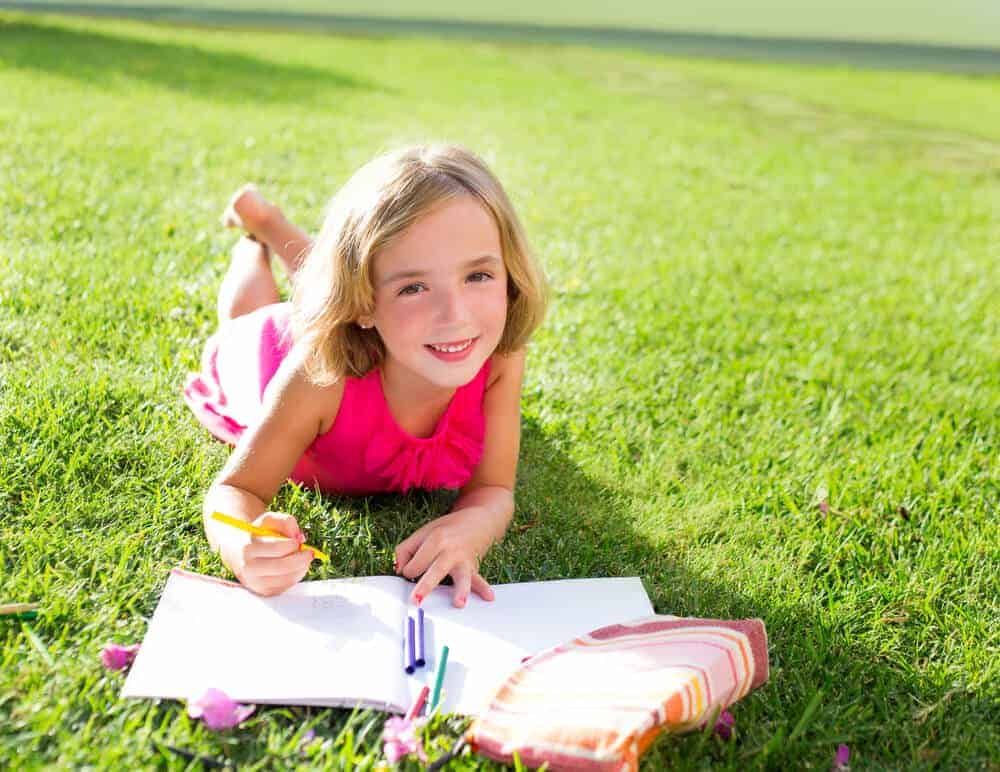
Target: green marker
19 611
442 664
23 616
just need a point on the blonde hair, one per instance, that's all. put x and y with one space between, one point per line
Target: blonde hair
334 285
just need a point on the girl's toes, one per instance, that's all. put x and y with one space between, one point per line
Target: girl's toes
231 217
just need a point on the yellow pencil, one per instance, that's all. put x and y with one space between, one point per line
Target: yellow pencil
245 526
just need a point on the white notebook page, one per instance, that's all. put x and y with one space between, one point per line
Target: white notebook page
487 640
315 644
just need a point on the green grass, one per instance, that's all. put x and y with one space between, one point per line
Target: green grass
966 22
771 285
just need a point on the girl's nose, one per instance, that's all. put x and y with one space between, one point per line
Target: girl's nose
452 306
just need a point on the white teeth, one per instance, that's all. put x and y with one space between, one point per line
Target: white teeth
452 349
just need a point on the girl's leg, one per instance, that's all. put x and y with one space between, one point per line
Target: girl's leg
249 283
265 223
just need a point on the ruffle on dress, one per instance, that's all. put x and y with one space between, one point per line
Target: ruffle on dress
444 460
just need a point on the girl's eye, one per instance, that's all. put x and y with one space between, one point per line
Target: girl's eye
415 289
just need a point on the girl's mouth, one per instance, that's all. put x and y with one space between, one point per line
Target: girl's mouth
452 352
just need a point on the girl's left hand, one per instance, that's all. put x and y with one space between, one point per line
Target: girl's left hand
450 545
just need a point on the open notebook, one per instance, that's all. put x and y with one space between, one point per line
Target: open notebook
339 642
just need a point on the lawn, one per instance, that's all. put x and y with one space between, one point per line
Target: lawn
965 22
773 287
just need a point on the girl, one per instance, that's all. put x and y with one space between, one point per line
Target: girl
397 364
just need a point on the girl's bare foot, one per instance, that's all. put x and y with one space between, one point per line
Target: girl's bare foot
265 223
250 211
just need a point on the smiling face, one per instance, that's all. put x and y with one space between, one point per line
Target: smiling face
441 294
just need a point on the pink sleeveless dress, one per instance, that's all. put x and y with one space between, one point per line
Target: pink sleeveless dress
365 451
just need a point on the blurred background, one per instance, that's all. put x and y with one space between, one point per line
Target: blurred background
917 30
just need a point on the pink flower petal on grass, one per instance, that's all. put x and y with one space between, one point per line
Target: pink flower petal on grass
307 740
117 657
724 725
400 739
842 759
824 507
218 711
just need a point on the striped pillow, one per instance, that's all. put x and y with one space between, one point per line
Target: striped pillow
598 701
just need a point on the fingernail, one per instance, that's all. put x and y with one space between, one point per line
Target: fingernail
419 599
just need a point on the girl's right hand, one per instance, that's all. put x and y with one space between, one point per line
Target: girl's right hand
267 565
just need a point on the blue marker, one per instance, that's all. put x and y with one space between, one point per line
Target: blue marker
411 663
407 666
421 656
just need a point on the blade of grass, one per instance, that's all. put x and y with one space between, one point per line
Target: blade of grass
36 642
807 715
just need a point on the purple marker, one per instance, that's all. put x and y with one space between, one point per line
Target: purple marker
408 645
411 664
421 658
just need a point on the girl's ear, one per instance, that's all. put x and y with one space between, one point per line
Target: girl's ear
366 322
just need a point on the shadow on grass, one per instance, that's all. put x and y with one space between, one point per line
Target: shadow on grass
114 62
865 54
569 526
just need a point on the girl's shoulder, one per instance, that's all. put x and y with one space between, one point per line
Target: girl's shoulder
293 389
506 367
